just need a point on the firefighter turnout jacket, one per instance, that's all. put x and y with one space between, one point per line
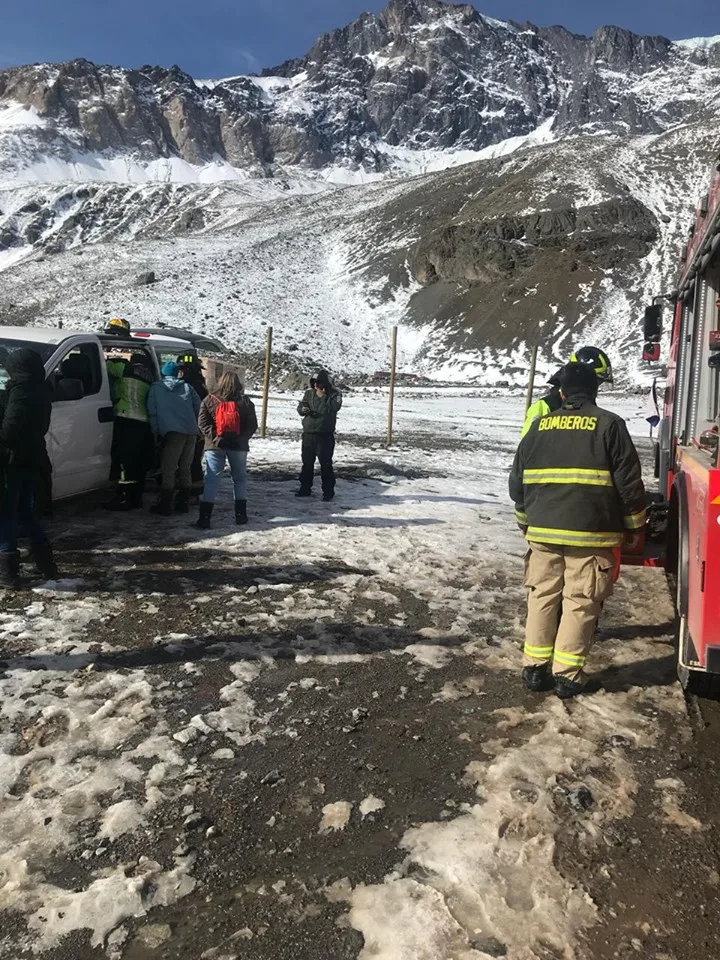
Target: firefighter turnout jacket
576 480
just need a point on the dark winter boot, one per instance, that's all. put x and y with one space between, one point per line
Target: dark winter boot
303 493
10 570
135 496
182 501
567 689
241 517
42 554
119 502
163 507
538 679
203 521
327 497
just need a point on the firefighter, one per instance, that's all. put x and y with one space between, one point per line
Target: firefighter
132 443
593 357
578 492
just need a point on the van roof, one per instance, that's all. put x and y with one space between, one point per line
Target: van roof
52 336
170 343
49 335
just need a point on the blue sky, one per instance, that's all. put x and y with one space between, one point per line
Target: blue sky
213 38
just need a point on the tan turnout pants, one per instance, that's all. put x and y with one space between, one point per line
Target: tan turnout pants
566 590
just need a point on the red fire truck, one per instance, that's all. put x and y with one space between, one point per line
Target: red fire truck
687 447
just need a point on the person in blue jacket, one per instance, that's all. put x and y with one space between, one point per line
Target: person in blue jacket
173 407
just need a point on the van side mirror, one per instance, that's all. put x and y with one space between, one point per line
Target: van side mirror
68 389
652 325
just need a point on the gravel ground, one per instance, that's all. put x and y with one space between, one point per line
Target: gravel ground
368 724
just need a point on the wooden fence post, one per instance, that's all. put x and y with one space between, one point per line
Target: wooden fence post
531 380
266 383
391 404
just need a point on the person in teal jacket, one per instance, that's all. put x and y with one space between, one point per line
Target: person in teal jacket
173 406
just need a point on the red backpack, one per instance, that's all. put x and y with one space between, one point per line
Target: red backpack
227 419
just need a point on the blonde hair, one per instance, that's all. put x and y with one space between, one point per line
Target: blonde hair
230 387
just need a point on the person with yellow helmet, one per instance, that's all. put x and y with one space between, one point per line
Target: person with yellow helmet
593 357
118 326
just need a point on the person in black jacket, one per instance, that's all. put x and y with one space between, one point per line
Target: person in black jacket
23 459
191 371
578 492
319 409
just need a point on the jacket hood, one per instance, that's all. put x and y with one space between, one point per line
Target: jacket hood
323 379
172 383
25 366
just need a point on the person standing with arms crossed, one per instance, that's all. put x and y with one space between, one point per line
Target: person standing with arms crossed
319 409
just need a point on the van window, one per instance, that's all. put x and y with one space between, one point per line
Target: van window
82 363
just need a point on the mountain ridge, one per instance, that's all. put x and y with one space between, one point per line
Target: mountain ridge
582 157
422 75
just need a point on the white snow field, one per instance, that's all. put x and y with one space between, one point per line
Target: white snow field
99 759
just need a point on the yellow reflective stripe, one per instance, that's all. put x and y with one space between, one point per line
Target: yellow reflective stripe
521 516
583 481
569 659
539 653
636 521
598 478
573 538
537 470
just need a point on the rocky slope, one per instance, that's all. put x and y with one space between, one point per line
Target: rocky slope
588 154
552 245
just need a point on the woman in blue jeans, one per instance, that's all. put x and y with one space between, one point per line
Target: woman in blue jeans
227 421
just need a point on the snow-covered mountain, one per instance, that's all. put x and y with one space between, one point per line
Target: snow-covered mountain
421 76
586 154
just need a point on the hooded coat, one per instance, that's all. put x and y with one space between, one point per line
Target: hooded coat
26 416
173 407
320 413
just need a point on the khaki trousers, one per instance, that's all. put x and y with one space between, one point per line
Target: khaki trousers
567 587
178 450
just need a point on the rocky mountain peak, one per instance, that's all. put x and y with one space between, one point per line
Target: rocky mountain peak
622 50
420 76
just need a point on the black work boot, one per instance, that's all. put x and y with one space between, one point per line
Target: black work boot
42 554
538 679
182 501
203 521
10 570
327 497
135 496
163 507
241 517
566 689
119 502
303 493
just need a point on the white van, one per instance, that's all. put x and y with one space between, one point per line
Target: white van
81 427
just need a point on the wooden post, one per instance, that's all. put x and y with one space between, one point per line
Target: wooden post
531 380
391 404
266 383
